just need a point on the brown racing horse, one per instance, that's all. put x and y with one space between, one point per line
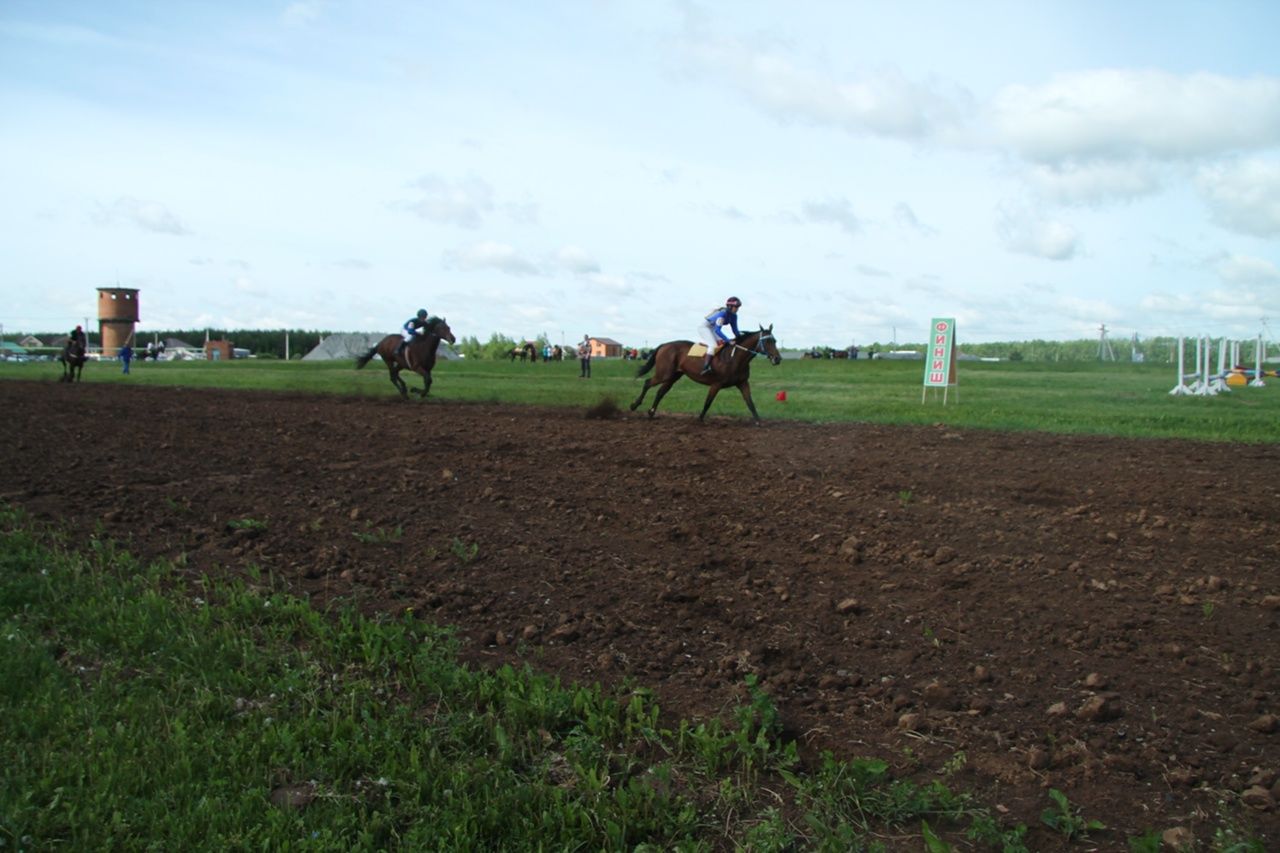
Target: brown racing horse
731 368
418 356
73 359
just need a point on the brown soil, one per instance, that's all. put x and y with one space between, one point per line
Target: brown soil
1091 614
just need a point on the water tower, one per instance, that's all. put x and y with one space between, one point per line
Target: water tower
117 317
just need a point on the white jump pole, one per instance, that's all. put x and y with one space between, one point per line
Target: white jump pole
1201 386
1220 378
1257 365
1181 388
1204 355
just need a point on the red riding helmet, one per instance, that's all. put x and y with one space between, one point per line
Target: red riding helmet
733 302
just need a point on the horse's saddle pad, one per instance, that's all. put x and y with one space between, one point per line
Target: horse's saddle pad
698 350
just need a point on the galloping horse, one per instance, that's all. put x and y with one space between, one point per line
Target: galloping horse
73 359
418 356
731 368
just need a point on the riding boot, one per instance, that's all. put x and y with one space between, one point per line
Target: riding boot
706 365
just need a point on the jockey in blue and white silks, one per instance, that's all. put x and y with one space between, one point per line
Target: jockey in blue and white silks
415 325
712 330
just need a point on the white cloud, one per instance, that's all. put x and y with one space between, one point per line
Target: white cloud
463 203
1243 197
302 13
147 215
1093 183
490 255
1245 270
831 211
1029 233
576 260
883 102
1121 114
615 284
904 215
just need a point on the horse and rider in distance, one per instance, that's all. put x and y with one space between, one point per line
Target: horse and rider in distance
413 349
720 361
74 355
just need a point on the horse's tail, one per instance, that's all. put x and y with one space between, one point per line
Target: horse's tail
366 358
648 365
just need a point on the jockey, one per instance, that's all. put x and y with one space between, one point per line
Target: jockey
78 336
415 325
712 330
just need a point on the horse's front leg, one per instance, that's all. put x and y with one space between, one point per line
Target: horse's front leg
711 395
426 384
745 388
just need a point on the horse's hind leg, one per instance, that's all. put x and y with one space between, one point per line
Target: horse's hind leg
399 383
662 392
644 390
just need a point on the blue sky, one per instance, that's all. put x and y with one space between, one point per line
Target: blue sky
848 169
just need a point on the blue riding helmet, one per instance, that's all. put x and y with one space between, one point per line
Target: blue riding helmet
422 313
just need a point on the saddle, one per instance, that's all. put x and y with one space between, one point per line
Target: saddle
697 350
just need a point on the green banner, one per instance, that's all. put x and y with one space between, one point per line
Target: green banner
939 364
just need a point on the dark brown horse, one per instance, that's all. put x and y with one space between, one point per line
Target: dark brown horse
418 356
73 359
731 368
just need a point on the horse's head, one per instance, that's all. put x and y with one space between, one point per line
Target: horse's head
438 327
766 345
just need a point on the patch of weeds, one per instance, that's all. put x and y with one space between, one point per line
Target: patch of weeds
464 551
1066 819
1206 610
380 535
246 524
904 497
932 843
770 833
181 507
1148 843
1227 838
986 830
955 763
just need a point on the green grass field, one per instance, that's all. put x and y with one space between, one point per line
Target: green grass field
1069 397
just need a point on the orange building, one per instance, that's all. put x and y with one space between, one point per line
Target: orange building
117 317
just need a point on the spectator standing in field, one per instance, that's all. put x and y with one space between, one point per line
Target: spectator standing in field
584 358
126 357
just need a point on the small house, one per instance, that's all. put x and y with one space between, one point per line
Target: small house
605 348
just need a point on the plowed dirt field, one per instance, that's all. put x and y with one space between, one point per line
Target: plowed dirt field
1025 611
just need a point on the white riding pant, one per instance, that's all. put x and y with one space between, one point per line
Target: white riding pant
709 337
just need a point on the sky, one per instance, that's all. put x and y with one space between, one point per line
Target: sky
848 169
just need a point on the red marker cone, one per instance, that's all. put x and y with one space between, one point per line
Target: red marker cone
782 396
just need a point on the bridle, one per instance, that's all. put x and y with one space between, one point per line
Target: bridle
758 349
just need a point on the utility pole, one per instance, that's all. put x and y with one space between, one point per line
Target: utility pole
1104 346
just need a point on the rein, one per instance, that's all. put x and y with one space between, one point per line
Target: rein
759 347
